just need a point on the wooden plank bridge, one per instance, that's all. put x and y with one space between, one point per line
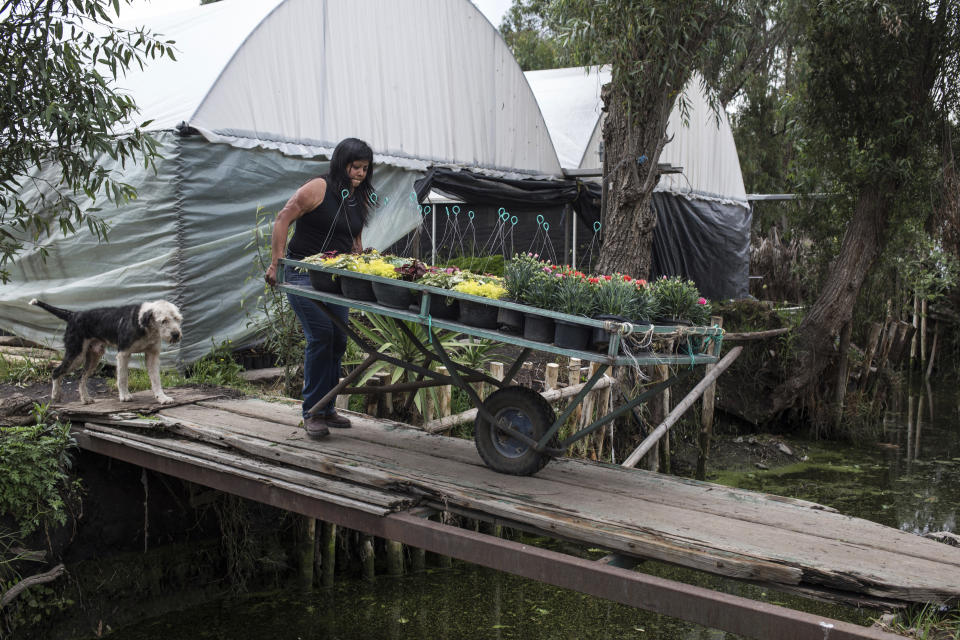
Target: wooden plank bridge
383 478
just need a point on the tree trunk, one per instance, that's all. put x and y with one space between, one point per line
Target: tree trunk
629 220
814 351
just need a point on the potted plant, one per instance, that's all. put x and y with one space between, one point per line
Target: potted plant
443 307
327 282
518 274
475 313
574 296
394 268
678 301
615 300
540 294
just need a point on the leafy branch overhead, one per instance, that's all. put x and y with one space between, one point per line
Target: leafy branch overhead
63 116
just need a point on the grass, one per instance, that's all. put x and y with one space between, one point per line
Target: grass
929 622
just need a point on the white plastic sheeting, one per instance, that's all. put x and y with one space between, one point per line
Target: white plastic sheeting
423 81
703 148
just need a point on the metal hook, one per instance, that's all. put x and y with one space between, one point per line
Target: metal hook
596 226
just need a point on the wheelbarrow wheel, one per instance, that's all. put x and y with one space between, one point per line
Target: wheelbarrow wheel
524 410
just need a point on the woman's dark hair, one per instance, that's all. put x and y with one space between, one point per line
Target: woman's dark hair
347 151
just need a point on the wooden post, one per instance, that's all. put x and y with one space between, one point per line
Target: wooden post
497 370
706 414
551 376
923 333
418 560
916 444
841 381
603 408
909 427
663 410
372 399
385 404
586 414
394 558
444 562
328 549
444 395
368 558
342 401
306 545
933 350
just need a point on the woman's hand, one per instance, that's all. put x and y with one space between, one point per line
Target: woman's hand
271 275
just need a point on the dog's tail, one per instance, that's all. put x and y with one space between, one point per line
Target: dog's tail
63 314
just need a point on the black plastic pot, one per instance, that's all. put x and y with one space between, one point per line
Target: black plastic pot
438 307
571 336
323 282
357 289
600 337
478 314
537 328
510 320
390 295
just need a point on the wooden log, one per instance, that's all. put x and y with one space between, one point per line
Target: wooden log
872 340
367 557
663 372
899 349
551 376
497 370
328 550
706 413
679 410
372 400
394 558
933 351
41 578
342 401
306 548
385 404
469 415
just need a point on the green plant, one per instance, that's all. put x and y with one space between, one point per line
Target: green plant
518 274
24 371
218 367
574 294
34 465
615 295
543 287
646 306
492 265
927 622
679 299
482 286
139 380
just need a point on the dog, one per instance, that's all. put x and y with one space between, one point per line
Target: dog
133 328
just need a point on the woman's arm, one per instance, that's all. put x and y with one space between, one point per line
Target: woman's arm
305 199
357 243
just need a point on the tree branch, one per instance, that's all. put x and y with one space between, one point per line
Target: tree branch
26 583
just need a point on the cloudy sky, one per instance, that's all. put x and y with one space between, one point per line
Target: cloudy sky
493 9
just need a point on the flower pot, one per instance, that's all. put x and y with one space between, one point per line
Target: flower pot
600 337
438 307
323 282
390 295
571 336
537 328
510 320
357 289
478 314
676 322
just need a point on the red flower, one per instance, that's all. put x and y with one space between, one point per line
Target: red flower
607 277
627 278
593 280
702 301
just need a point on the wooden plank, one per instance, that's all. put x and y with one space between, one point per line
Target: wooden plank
143 402
392 501
610 524
84 436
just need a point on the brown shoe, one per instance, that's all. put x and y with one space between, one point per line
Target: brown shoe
337 421
316 427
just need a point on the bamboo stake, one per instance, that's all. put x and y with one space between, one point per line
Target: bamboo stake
679 410
923 332
706 415
663 373
933 350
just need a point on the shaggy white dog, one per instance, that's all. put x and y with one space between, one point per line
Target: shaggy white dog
133 328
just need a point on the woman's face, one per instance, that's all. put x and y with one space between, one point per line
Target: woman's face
357 172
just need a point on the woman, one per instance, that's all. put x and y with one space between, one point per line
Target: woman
330 212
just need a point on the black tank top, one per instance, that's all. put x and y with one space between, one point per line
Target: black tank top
332 226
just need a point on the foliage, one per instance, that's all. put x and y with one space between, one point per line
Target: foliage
573 294
543 287
615 295
526 32
34 465
518 274
378 267
218 367
485 287
139 380
61 60
647 306
25 371
492 265
679 299
443 277
926 622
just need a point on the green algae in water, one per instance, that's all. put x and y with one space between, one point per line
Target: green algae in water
466 602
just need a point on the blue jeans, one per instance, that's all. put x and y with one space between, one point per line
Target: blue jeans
325 345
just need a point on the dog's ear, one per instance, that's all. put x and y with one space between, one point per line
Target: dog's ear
146 318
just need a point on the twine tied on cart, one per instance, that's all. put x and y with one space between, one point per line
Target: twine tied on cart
633 339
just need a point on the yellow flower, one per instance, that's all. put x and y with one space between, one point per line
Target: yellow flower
377 267
489 289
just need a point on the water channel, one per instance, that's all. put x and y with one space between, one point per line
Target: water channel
908 478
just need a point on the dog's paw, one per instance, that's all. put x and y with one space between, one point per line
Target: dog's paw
164 399
86 400
126 397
